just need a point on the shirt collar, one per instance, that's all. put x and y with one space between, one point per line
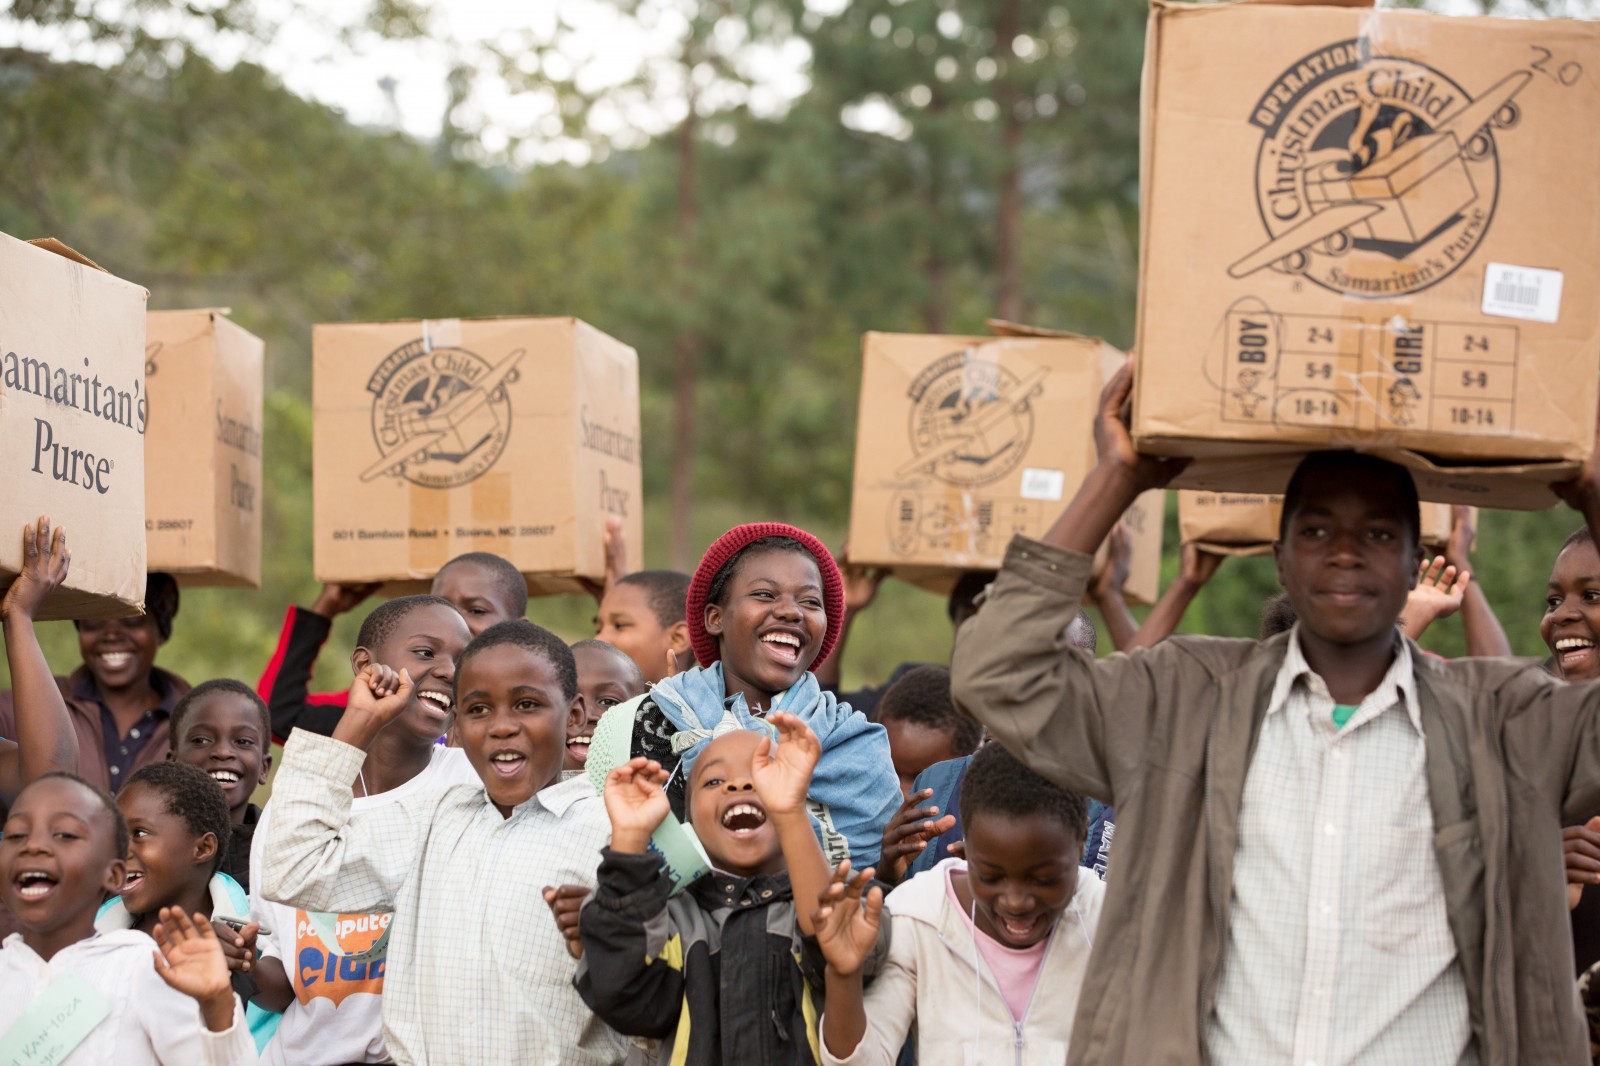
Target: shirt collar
84 688
1400 681
556 798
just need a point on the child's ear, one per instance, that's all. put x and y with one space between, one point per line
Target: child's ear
116 873
713 620
205 849
266 766
360 659
678 638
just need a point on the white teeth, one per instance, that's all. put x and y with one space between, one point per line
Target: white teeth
741 809
115 659
506 756
782 638
1573 643
580 740
224 777
437 697
34 884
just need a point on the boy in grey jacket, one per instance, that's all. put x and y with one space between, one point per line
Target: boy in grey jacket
1331 849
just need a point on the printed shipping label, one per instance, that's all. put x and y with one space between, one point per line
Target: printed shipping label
1522 292
1040 484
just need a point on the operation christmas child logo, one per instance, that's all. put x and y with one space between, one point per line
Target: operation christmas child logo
1377 153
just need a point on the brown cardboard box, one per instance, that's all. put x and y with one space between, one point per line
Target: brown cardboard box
516 436
1244 524
202 503
72 421
963 441
1371 230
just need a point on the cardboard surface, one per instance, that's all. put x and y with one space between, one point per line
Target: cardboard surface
963 441
516 436
1371 230
203 504
1247 524
72 423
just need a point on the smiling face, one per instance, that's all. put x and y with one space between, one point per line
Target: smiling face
1347 561
58 860
727 815
222 736
1571 623
1021 874
628 622
426 642
119 652
513 722
606 678
167 860
475 592
770 624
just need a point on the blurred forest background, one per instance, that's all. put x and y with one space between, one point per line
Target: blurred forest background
940 162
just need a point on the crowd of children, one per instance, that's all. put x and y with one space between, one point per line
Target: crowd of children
682 842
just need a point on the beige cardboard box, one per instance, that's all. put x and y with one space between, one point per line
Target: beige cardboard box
72 422
516 436
202 501
963 441
1231 523
1373 230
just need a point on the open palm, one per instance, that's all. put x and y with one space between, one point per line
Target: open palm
848 918
190 958
636 799
781 770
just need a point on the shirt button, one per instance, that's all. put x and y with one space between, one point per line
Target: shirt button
134 733
766 894
116 769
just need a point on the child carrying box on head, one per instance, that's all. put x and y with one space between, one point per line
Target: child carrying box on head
96 996
477 972
987 954
723 972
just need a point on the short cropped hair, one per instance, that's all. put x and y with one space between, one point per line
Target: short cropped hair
380 625
119 824
1581 535
534 638
508 580
1087 638
206 688
922 696
1380 476
996 781
1277 616
192 795
635 675
667 592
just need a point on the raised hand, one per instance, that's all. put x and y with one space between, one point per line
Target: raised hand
616 555
1462 536
912 829
1196 566
860 582
782 773
847 921
379 692
1113 439
1113 576
336 599
190 959
636 802
1580 848
565 902
238 945
45 560
1438 594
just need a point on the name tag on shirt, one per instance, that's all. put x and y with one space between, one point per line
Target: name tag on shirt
63 1016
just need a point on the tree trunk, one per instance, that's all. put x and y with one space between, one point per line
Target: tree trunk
1008 215
685 347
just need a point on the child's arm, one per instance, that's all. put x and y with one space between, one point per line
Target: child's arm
45 738
189 960
631 971
848 920
782 778
1485 635
1196 566
316 855
1080 722
286 682
1437 595
1106 590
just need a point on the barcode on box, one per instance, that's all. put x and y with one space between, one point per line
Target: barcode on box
1040 484
1522 292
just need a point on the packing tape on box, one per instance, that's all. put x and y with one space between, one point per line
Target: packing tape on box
441 333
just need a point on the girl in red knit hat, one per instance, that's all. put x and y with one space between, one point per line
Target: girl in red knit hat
765 606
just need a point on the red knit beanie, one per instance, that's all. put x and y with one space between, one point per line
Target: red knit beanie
729 544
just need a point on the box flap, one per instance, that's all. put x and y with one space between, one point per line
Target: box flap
1001 328
50 244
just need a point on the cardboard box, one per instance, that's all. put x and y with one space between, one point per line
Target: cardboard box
516 436
963 441
1372 230
1247 524
72 422
203 376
